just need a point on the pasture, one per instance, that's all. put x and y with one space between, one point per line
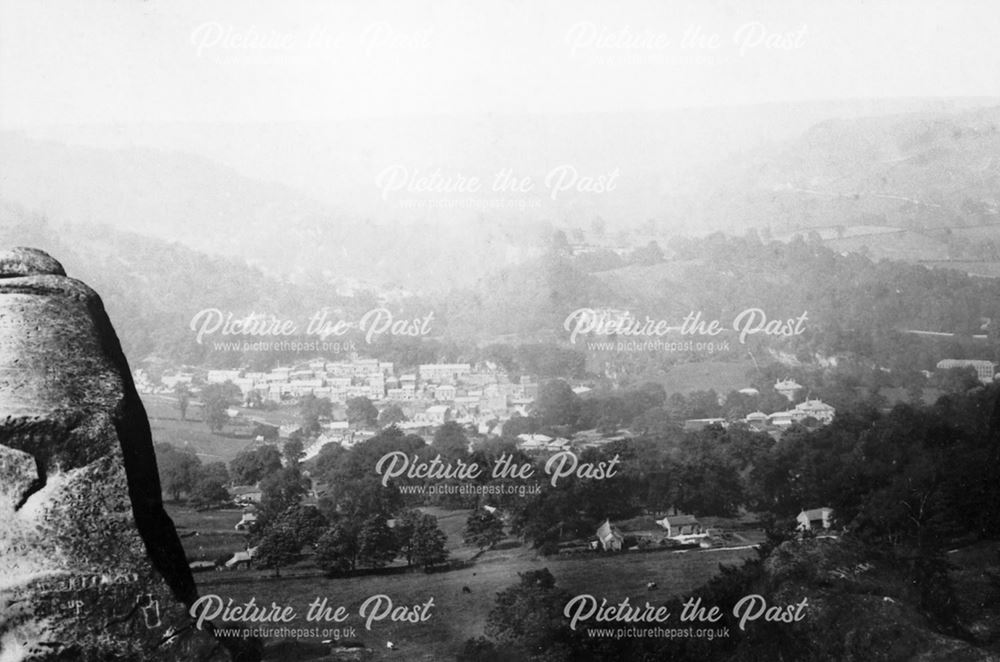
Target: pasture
456 615
193 434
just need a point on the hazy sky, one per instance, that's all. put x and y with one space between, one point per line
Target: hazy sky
102 61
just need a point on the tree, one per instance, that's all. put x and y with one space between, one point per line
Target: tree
312 409
361 412
178 469
215 470
427 544
390 416
648 255
329 460
293 452
450 440
483 529
183 398
529 617
560 244
956 380
208 490
306 523
216 399
376 544
281 490
337 549
278 547
406 523
557 404
252 466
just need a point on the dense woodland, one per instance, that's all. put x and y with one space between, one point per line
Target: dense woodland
856 307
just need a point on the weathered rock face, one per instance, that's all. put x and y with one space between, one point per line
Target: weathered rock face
90 564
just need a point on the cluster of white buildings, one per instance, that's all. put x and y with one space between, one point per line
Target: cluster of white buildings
430 395
337 381
985 370
815 409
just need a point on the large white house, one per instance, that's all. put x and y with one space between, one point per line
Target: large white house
984 369
818 409
683 528
814 518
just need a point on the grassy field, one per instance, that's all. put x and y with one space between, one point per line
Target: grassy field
193 434
207 535
456 615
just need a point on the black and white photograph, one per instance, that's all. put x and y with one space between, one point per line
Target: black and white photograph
499 331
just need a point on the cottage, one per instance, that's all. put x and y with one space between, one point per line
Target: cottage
244 558
438 414
683 528
814 518
245 494
609 537
248 520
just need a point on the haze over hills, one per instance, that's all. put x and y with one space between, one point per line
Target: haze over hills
186 198
924 171
663 158
303 203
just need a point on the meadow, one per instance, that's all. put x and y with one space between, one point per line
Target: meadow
457 614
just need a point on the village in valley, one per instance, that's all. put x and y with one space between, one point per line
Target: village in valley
677 463
360 398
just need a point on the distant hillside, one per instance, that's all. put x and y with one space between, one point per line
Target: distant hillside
212 208
152 288
529 301
925 172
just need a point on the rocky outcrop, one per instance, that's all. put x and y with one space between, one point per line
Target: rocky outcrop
90 564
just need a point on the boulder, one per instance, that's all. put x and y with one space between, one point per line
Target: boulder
91 566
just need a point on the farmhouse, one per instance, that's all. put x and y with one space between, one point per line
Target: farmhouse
683 528
814 518
246 522
245 494
244 558
609 537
